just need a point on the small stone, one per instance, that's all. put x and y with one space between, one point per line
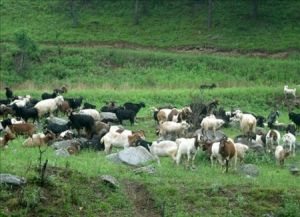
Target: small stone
147 169
6 178
250 170
110 180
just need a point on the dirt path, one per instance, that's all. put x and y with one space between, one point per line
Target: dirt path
179 49
144 204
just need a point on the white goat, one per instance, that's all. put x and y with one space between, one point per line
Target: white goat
21 102
241 150
92 112
118 137
48 105
290 140
164 148
289 92
281 154
272 139
211 123
187 147
169 127
247 122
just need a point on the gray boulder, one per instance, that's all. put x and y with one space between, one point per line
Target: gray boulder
114 158
135 156
62 153
57 120
6 178
210 134
108 116
146 169
250 170
110 180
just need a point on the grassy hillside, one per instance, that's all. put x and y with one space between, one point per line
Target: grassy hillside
127 68
163 23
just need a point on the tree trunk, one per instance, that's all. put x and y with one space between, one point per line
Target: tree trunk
136 12
209 15
254 8
73 13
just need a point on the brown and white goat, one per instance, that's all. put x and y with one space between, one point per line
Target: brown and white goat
23 129
281 154
39 139
6 138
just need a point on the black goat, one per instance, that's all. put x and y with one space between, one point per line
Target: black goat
74 102
272 117
134 106
5 101
26 113
87 105
295 118
57 128
143 143
125 114
260 121
79 121
49 95
94 143
5 123
291 128
9 93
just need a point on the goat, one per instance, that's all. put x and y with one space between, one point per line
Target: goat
170 127
188 147
6 138
272 138
57 128
247 123
208 86
25 129
26 113
290 140
48 105
9 93
91 112
295 118
39 139
289 92
49 95
79 121
281 154
241 150
74 102
211 123
272 118
125 114
87 105
143 143
134 106
164 148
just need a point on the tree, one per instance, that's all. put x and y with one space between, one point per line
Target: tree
136 12
209 14
28 50
254 8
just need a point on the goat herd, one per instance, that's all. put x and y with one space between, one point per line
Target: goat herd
176 128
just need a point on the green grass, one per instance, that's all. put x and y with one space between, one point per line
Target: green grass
168 23
127 69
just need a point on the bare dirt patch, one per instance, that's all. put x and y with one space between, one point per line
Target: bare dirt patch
144 204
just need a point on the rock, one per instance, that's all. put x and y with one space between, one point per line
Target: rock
6 178
62 152
147 169
210 134
110 180
257 148
135 156
294 170
250 170
108 117
114 158
61 144
56 120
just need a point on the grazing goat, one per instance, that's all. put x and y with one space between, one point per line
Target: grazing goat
23 129
272 139
57 128
39 139
289 139
74 103
49 95
289 92
187 147
64 107
134 106
170 127
79 121
295 118
291 128
61 90
6 138
91 112
119 137
21 102
48 105
241 150
125 114
281 154
164 148
9 93
143 143
26 113
211 123
87 105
